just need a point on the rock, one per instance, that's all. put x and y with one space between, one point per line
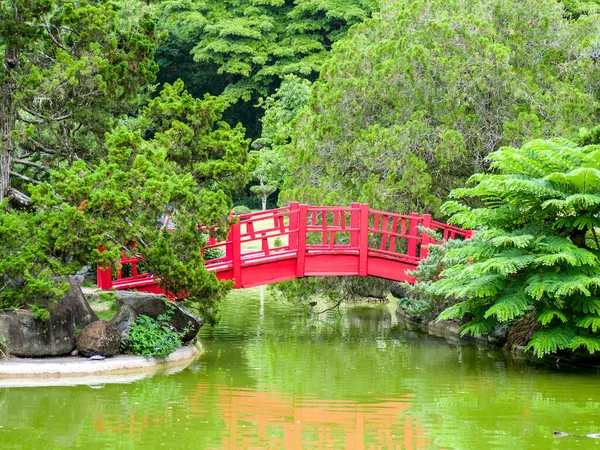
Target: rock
153 305
99 338
150 305
185 323
398 290
87 273
123 320
27 336
499 334
74 352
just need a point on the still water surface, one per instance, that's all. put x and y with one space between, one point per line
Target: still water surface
274 377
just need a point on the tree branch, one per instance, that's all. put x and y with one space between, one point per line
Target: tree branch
24 178
31 164
18 197
56 41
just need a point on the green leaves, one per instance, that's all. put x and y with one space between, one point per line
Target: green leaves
546 261
152 338
550 340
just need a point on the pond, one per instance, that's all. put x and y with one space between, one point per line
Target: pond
276 377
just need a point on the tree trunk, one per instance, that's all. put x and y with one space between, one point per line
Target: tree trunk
8 117
7 126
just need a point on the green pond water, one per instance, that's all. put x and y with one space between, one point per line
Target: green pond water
274 377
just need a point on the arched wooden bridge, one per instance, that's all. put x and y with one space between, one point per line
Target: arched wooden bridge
308 241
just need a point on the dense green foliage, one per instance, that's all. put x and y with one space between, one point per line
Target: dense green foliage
420 301
242 49
537 249
93 177
410 103
255 42
408 106
152 338
67 71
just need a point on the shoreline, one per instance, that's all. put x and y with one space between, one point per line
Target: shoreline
71 370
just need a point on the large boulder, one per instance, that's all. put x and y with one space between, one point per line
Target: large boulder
99 338
153 305
27 336
123 320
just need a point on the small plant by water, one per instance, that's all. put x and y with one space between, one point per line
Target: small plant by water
153 337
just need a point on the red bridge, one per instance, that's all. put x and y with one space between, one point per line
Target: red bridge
308 241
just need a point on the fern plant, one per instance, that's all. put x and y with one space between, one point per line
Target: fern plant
537 246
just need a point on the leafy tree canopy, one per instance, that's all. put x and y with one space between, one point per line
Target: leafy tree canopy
243 48
411 102
272 149
118 202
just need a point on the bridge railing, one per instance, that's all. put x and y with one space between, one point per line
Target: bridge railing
296 231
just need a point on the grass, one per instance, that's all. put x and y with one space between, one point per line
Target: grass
261 225
105 305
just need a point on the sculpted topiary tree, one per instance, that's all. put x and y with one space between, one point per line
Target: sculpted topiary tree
537 248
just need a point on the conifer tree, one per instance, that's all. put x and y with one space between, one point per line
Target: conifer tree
68 70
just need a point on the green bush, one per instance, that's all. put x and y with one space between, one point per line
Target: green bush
241 209
153 338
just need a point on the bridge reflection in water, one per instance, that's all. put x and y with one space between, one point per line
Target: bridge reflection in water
257 420
260 419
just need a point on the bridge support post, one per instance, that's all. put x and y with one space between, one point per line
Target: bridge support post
293 226
236 253
413 234
103 276
354 221
363 250
301 244
425 238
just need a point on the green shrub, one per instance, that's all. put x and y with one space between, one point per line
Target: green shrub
153 338
40 313
241 209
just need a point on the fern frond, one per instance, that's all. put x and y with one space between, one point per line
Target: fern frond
553 244
507 307
591 344
518 241
574 257
477 327
547 315
577 201
549 340
581 178
586 305
591 322
506 263
467 286
459 310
